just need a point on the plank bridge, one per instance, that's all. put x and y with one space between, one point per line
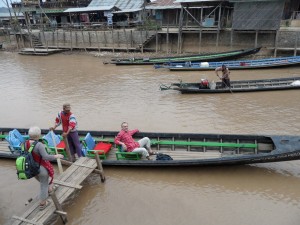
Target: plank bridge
66 184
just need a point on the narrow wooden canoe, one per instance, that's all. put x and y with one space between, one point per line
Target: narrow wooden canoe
236 86
191 58
191 149
234 65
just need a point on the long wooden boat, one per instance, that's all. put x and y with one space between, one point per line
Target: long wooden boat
191 58
192 149
234 65
236 86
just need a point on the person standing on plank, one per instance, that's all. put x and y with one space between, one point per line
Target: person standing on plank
69 125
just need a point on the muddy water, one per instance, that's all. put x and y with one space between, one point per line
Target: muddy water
102 96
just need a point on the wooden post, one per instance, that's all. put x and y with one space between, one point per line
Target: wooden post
296 42
98 43
231 38
56 38
70 158
71 38
217 38
156 40
99 164
118 38
59 210
64 38
131 39
112 37
83 39
76 39
104 36
180 31
200 39
125 34
276 43
256 37
141 41
167 37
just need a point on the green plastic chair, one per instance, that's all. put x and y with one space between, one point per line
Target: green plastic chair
122 155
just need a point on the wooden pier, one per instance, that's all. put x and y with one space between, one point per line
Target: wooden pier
67 183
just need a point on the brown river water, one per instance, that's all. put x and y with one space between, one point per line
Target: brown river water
33 90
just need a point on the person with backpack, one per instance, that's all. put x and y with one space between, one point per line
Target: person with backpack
41 157
69 125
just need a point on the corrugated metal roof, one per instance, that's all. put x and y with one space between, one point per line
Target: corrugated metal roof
2 15
122 4
163 4
86 9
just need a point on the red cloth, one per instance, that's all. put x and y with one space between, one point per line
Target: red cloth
126 138
105 147
45 163
61 145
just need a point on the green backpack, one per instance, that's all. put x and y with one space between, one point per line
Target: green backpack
25 164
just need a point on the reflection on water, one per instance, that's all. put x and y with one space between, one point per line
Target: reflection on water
102 96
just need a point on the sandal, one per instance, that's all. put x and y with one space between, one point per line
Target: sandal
42 207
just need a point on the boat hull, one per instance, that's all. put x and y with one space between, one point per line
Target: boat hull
277 84
235 65
191 58
223 149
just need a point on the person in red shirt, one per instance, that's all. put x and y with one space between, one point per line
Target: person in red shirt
69 125
124 138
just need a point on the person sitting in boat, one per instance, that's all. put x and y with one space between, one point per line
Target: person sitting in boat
41 156
204 84
124 138
225 76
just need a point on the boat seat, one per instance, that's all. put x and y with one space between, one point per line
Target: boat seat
60 144
121 154
15 140
91 147
206 144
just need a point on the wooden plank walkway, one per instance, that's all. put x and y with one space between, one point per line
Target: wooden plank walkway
67 182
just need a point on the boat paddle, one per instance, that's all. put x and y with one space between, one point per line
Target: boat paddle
225 84
60 169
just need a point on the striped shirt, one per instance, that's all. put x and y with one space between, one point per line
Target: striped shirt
67 120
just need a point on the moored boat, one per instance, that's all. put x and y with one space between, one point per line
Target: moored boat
192 149
234 65
236 86
190 58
